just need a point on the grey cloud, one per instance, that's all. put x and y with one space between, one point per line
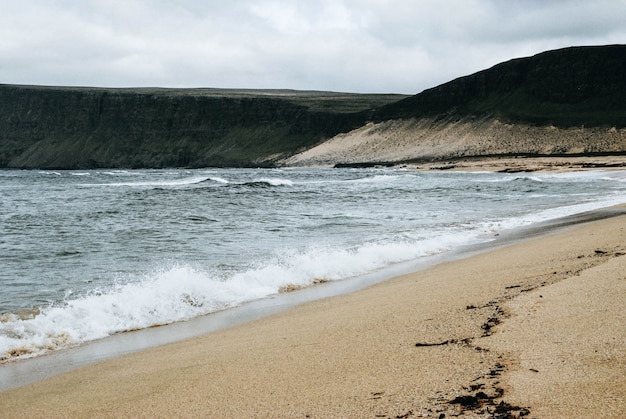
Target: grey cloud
343 45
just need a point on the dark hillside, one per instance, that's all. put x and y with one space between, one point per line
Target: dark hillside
55 127
568 87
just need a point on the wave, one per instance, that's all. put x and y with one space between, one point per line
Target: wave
517 178
273 182
218 180
553 213
378 179
263 183
160 183
194 180
121 173
182 292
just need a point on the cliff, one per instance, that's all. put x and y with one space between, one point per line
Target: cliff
65 128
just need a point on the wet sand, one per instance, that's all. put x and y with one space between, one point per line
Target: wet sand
535 329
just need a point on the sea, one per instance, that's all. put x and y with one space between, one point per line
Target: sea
86 254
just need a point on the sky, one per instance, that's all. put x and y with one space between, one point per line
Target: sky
361 46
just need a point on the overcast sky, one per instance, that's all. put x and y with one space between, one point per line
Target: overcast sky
380 46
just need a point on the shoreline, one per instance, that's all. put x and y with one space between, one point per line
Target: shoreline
506 164
15 373
411 344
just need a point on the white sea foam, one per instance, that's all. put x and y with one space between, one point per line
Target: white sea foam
219 180
181 292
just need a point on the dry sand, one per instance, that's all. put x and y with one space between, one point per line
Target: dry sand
535 328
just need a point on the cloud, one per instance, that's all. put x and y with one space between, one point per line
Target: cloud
342 45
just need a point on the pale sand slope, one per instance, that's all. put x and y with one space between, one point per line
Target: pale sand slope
427 138
553 305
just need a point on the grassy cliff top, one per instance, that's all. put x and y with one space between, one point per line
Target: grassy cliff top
315 101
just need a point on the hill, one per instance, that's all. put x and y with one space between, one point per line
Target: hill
75 127
570 101
564 88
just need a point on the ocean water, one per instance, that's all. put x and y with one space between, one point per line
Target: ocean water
88 254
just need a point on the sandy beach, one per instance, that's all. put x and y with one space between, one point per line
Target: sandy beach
533 329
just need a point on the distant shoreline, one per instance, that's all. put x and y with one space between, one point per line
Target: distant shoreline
494 163
510 163
515 164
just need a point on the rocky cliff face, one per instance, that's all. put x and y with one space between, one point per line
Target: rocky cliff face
48 127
